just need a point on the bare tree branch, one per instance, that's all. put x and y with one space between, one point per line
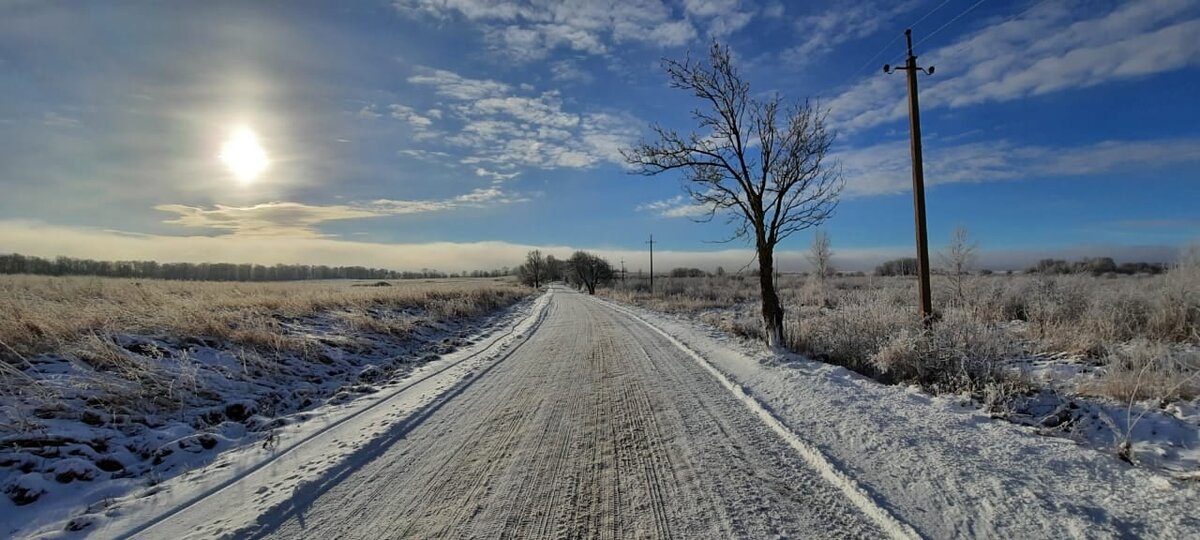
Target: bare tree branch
764 164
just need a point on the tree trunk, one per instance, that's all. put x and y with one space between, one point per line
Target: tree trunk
772 312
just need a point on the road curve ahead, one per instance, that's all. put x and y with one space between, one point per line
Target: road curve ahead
595 427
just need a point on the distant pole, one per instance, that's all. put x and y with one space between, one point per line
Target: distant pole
918 175
622 270
651 242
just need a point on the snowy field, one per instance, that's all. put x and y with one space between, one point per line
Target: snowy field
110 387
569 414
1112 363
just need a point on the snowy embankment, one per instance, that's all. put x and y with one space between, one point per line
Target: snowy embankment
942 465
113 476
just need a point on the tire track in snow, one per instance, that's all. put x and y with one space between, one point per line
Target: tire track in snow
520 330
854 492
595 428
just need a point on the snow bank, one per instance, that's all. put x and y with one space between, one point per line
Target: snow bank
942 465
85 471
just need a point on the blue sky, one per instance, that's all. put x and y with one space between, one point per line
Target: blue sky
457 134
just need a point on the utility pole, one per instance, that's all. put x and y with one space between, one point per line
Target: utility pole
918 175
622 271
651 242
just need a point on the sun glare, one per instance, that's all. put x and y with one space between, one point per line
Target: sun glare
243 155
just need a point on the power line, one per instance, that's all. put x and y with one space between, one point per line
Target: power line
948 23
931 12
884 49
1014 16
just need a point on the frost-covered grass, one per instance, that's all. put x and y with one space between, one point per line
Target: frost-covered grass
1143 331
104 379
1103 355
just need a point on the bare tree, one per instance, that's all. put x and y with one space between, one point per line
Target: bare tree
588 271
957 260
820 255
533 272
762 164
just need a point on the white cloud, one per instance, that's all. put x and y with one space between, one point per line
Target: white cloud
1046 50
292 219
567 70
526 30
544 110
49 241
774 9
676 207
426 155
452 85
408 114
369 112
504 129
886 168
841 23
53 119
494 175
269 219
673 33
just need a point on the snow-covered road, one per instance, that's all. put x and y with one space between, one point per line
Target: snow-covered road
597 426
583 418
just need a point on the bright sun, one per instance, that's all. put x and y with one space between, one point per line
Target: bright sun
243 155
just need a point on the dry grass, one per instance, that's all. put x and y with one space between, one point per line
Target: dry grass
268 327
1144 329
47 314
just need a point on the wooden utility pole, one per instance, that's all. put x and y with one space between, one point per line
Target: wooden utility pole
651 242
918 175
622 270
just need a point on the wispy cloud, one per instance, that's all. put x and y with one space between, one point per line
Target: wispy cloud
508 127
1160 223
820 34
885 168
453 85
675 207
496 177
292 219
48 241
54 119
1049 49
527 30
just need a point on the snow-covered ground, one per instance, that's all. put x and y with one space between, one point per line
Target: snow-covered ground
640 422
71 467
1162 436
946 467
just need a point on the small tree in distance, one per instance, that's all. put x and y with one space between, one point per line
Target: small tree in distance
760 163
820 255
533 272
906 266
588 271
958 258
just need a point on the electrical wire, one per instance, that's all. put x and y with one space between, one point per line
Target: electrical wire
949 22
895 39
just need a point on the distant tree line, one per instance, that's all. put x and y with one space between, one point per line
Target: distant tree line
68 266
583 270
1095 266
687 272
907 266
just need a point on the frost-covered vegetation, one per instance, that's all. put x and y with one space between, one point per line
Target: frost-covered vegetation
109 378
1040 348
